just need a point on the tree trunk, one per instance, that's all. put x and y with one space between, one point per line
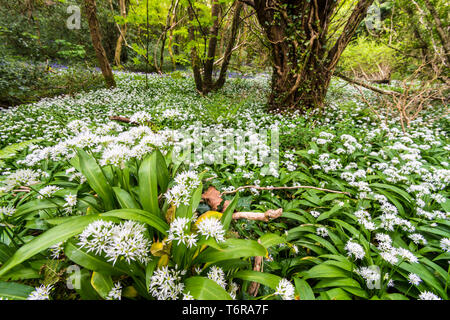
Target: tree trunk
205 83
303 62
443 36
229 50
94 27
123 32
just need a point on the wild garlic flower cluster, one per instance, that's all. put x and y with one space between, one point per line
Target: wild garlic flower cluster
445 244
115 293
141 117
41 293
217 275
285 289
427 295
371 275
47 192
185 183
57 250
125 241
179 231
114 145
7 211
20 178
209 227
355 250
414 279
71 201
166 283
391 254
322 231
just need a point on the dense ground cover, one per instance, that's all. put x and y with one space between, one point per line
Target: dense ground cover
78 188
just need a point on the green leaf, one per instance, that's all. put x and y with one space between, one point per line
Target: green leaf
270 239
205 289
148 184
149 271
325 271
405 195
21 273
96 179
82 285
329 213
102 283
139 216
39 204
228 213
126 201
304 290
394 296
337 294
14 291
91 262
425 275
53 236
232 249
267 279
337 282
162 172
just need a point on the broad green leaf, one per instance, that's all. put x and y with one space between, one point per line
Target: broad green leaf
325 271
337 282
337 294
162 172
39 204
148 184
91 261
394 296
81 282
149 269
102 283
96 179
270 239
304 290
126 201
228 213
53 236
323 242
425 275
205 289
232 249
139 216
405 195
15 291
21 273
267 279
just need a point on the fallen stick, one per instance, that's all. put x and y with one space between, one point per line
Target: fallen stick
259 216
283 188
367 86
121 119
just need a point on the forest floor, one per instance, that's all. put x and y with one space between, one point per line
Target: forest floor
379 195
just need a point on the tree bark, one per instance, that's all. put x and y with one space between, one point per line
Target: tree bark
94 27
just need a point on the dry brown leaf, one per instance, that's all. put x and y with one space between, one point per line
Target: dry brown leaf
212 198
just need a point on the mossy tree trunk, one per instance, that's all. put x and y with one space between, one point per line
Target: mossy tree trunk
94 27
303 58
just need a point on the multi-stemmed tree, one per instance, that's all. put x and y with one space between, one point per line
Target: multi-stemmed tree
304 49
